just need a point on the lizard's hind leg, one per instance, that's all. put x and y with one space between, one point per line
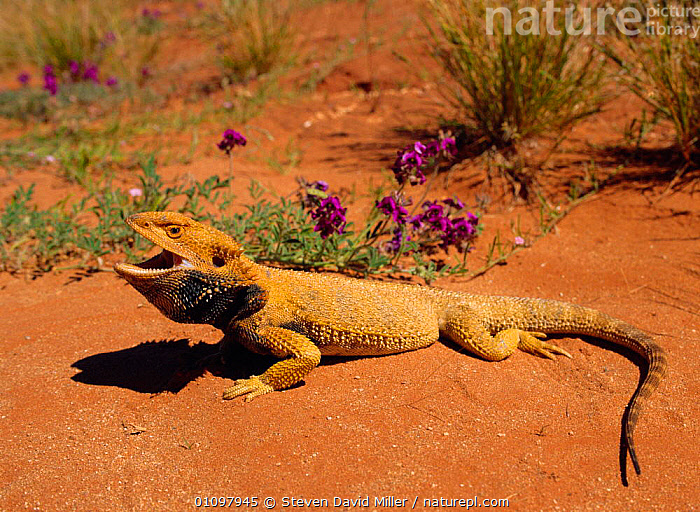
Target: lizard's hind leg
463 327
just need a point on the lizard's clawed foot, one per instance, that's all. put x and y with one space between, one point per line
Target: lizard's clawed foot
530 342
251 388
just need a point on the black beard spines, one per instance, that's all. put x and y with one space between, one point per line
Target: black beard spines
194 297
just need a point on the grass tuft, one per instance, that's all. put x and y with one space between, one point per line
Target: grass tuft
663 68
514 86
253 37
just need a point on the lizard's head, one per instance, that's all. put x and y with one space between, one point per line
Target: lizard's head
197 275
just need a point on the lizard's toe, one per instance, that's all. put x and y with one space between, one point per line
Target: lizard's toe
530 342
251 388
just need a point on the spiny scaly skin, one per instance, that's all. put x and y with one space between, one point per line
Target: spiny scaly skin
202 276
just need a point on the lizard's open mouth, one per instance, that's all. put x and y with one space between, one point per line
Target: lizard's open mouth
161 263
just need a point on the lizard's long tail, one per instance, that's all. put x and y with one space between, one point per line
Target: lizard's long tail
554 317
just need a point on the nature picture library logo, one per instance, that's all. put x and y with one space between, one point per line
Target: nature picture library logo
650 19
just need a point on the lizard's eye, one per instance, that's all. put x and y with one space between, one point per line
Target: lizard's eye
174 231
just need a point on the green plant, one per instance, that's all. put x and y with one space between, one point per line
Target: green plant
512 83
291 159
77 101
104 38
637 129
25 231
24 104
323 67
77 163
253 37
33 238
662 67
83 155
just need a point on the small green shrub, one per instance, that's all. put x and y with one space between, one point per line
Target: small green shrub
253 37
77 101
24 104
663 67
510 85
104 38
33 238
81 154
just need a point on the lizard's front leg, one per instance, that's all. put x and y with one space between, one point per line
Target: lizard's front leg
300 353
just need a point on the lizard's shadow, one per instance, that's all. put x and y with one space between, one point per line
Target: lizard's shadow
169 365
166 365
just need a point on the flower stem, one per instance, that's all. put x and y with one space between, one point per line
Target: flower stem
230 179
425 191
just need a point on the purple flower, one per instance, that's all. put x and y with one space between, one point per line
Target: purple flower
151 15
460 232
311 193
319 185
330 217
419 147
112 81
408 163
448 146
91 72
135 192
231 139
454 203
23 78
414 159
145 72
518 240
411 159
393 208
74 68
407 167
462 227
394 245
431 150
434 216
416 222
50 83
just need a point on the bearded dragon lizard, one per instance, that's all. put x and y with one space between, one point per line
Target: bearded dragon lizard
201 276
